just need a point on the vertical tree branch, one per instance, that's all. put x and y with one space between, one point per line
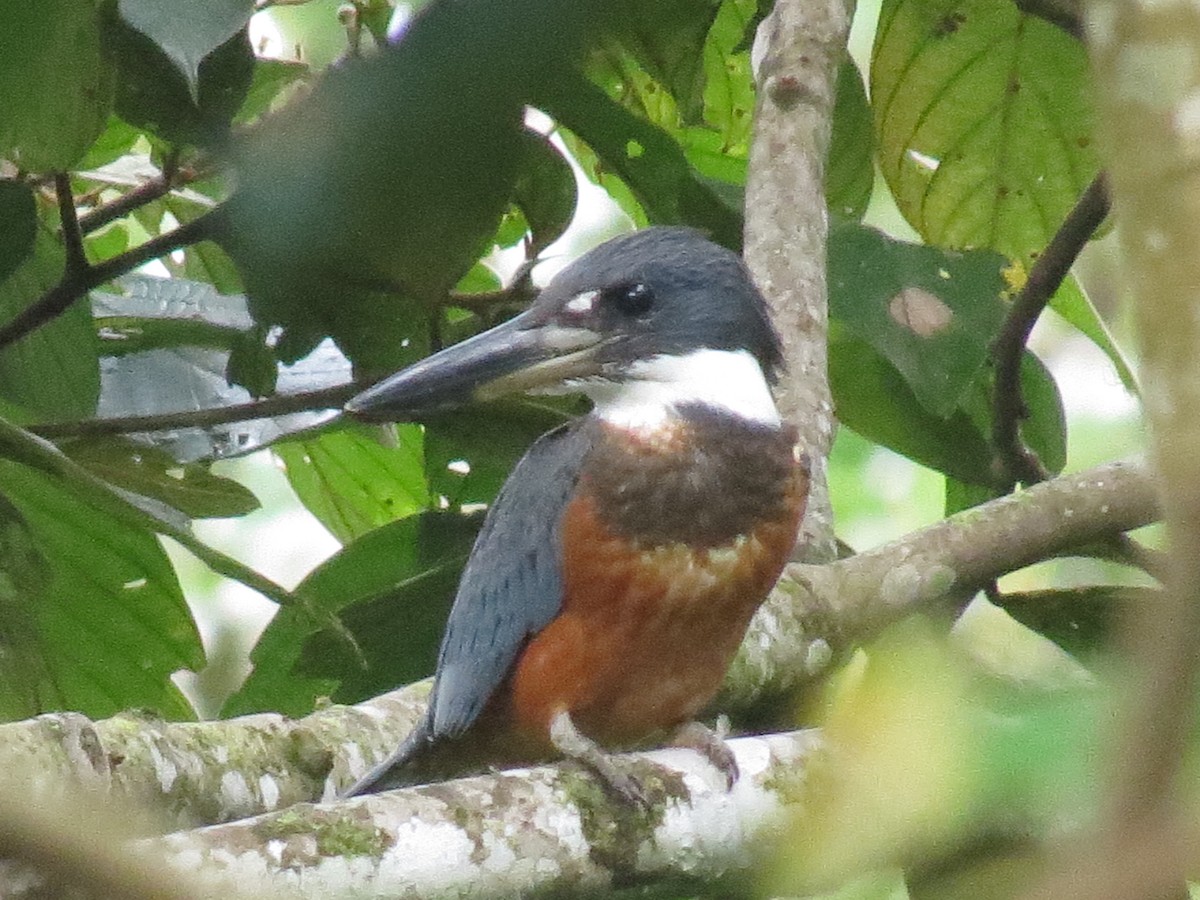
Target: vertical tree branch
1147 63
800 45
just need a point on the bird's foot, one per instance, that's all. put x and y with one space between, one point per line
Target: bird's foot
711 744
572 743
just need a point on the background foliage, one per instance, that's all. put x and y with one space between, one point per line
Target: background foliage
334 212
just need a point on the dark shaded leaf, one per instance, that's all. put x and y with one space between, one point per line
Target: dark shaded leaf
18 225
850 170
932 313
154 95
192 489
55 86
110 625
544 191
1082 621
984 121
417 150
353 481
53 372
187 33
872 398
398 581
252 365
468 455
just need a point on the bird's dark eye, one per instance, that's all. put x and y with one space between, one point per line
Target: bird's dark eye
630 299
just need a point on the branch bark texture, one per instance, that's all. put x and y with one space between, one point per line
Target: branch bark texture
798 49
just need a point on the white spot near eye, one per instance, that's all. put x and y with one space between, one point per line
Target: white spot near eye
134 584
581 304
459 467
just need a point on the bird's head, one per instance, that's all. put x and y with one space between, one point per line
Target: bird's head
643 323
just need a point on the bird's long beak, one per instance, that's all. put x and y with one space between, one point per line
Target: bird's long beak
523 354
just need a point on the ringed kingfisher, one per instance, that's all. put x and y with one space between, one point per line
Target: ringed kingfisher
618 568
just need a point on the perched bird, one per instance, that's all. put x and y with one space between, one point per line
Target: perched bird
617 570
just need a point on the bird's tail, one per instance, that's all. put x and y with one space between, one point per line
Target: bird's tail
397 769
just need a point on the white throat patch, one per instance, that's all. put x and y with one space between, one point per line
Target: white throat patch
652 389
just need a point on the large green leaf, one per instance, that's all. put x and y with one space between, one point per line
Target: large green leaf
191 489
105 622
55 87
355 480
874 399
933 313
729 84
188 32
984 122
417 149
54 371
398 581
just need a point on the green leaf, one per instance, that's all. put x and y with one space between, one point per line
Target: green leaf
544 190
353 482
115 141
271 77
401 579
252 364
644 156
417 149
18 225
55 87
1083 620
850 171
55 371
729 83
187 33
984 122
1045 430
110 625
932 313
1073 304
153 95
192 489
400 628
469 454
663 38
872 398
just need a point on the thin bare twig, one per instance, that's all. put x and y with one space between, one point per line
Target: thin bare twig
77 281
147 192
308 401
1014 459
